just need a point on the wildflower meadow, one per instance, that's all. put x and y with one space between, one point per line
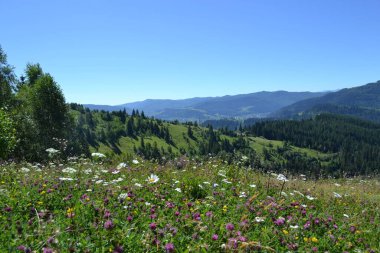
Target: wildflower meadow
205 206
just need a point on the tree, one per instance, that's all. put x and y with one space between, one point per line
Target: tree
7 134
7 80
33 72
49 109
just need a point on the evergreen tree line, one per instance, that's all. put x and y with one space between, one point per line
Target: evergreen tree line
355 142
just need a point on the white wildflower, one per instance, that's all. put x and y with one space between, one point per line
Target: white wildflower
281 177
222 173
52 151
66 179
337 195
226 181
259 219
121 166
135 161
69 170
98 155
242 195
252 185
138 185
293 227
299 193
25 170
346 215
178 189
123 196
88 171
152 179
115 172
309 197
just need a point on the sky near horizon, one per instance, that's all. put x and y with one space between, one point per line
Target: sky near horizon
113 52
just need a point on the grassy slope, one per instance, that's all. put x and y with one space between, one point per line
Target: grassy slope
181 140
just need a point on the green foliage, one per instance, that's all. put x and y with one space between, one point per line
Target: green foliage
7 134
49 109
7 80
194 189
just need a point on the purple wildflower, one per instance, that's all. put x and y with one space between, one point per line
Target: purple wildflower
47 250
230 226
280 221
153 226
307 225
214 237
108 224
169 247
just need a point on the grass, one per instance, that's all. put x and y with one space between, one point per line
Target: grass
85 206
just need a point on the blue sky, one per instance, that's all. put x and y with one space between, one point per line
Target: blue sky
112 52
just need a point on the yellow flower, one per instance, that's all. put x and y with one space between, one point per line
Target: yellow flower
43 192
285 232
128 198
70 211
305 239
40 202
314 239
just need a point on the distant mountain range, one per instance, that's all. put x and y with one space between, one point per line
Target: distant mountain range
362 102
253 105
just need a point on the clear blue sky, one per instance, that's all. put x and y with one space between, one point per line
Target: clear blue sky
112 52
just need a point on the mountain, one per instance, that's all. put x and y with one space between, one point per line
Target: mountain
362 101
259 104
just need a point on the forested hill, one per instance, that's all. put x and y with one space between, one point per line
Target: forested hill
362 102
356 141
